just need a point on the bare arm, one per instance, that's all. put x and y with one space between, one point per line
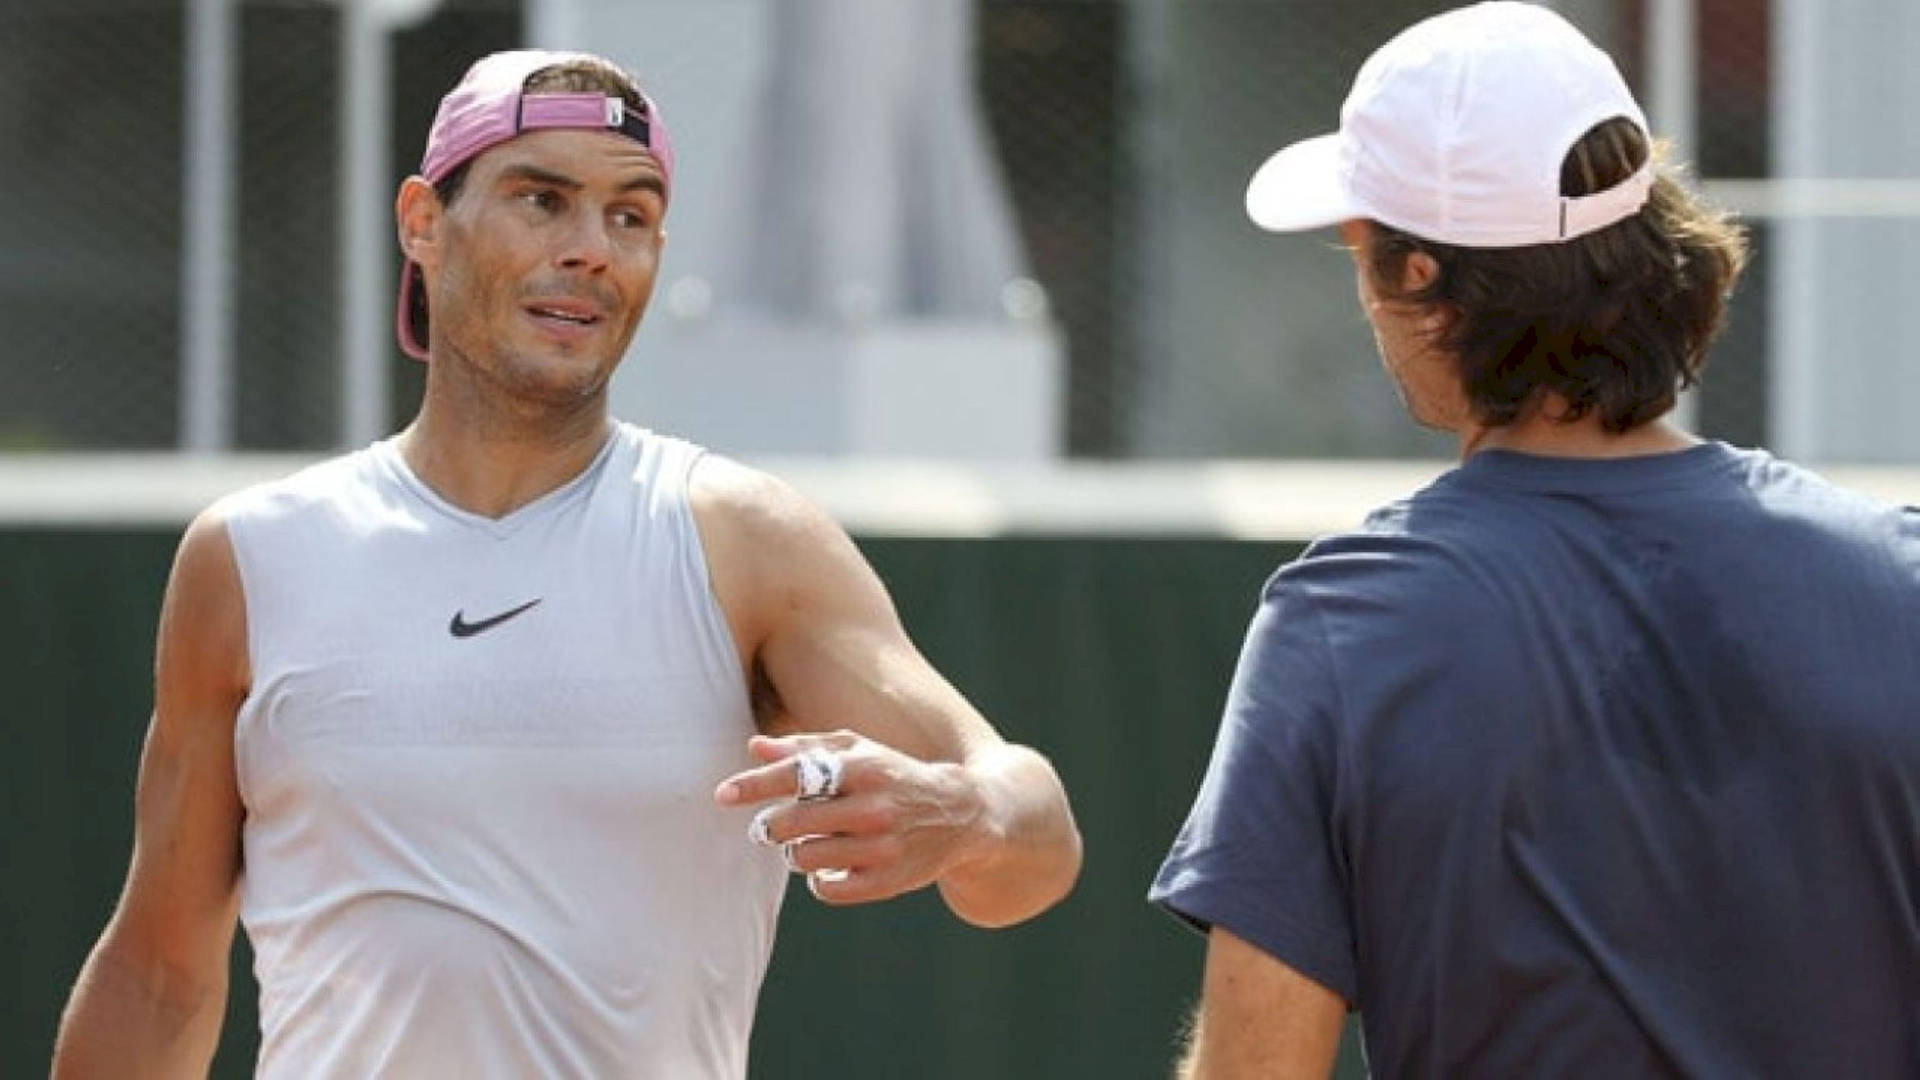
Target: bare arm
149 1001
1260 1018
932 794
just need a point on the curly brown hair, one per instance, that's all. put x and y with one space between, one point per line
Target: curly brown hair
1616 322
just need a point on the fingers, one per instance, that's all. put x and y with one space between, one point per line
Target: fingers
851 854
859 820
853 886
846 816
852 851
771 748
778 778
849 870
781 747
760 829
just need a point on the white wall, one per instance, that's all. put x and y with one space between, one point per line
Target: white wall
843 273
1846 374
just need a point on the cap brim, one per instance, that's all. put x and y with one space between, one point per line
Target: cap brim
1301 188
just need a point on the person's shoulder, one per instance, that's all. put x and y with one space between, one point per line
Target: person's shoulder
323 482
1787 485
664 465
644 445
1424 535
1395 576
773 555
205 574
1415 566
754 506
1810 519
1447 506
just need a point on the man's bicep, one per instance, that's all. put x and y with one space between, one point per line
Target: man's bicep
153 991
816 624
178 906
1260 1018
840 658
1262 849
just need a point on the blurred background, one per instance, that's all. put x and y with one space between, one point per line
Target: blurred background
972 272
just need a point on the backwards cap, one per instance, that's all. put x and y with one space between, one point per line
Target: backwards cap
1455 131
491 106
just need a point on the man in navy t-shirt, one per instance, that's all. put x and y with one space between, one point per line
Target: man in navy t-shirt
1601 755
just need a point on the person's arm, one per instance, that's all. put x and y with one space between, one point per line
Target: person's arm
1260 1018
931 793
149 1001
1259 866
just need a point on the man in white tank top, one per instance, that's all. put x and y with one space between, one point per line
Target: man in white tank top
475 729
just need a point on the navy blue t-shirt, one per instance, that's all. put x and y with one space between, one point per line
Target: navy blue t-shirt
1587 768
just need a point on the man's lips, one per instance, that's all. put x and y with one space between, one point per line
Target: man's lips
567 312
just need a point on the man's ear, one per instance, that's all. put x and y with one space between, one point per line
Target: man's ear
417 212
1419 271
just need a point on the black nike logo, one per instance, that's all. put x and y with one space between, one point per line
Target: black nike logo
460 627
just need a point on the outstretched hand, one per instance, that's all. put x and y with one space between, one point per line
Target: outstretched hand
896 823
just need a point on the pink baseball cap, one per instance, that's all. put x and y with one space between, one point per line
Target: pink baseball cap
491 105
1455 131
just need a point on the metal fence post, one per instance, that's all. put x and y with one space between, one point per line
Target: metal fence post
365 293
208 248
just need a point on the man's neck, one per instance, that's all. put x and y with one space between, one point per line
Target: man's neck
1538 432
494 469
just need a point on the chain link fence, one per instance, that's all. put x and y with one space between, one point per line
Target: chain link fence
93 102
1125 129
90 118
287 340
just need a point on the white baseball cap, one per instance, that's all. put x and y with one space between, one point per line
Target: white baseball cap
1455 131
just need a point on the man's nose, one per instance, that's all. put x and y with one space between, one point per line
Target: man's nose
588 245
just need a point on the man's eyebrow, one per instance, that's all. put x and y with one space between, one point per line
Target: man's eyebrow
649 182
538 175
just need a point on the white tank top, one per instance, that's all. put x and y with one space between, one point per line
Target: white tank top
478 761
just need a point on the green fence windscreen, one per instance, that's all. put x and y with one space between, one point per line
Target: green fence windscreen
1109 655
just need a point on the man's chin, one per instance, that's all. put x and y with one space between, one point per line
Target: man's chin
567 393
561 382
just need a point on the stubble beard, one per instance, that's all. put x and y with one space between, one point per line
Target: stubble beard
506 381
512 394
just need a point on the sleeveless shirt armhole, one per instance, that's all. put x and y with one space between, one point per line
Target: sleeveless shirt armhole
231 510
723 650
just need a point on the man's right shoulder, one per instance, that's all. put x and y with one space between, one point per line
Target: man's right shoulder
321 483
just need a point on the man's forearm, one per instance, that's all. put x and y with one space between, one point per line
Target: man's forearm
129 1020
1030 856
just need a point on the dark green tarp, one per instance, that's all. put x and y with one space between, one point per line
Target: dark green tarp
1111 655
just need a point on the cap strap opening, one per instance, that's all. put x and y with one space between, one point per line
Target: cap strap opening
1583 214
633 124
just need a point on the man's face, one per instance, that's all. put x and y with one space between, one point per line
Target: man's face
1428 381
544 263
